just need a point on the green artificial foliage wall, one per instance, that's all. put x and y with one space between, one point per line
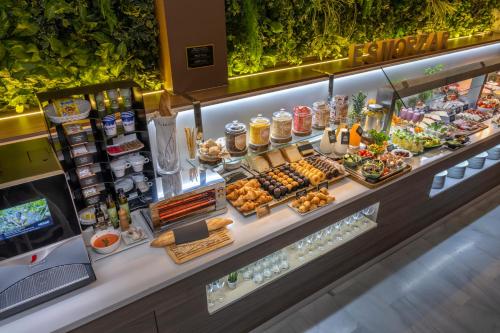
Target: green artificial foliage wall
61 43
266 33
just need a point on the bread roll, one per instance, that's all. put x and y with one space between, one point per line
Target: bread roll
167 238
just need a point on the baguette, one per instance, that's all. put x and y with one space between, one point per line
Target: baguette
167 238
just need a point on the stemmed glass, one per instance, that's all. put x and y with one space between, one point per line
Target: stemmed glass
311 245
356 217
329 234
338 231
302 249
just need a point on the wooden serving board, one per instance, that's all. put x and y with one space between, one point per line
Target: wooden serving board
187 251
357 176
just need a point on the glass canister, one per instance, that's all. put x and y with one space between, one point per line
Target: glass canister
339 109
259 133
374 119
281 127
302 120
236 138
321 115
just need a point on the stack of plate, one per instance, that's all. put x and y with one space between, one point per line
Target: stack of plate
494 153
439 180
458 171
477 162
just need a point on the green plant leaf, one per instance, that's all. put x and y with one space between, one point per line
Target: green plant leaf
26 29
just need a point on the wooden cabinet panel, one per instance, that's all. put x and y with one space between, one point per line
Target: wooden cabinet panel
119 322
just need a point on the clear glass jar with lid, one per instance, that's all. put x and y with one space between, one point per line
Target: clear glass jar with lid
281 127
302 120
259 133
321 115
236 138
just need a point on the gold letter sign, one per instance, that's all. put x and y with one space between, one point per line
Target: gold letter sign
387 49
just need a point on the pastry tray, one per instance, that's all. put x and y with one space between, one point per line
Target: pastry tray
357 176
290 196
138 221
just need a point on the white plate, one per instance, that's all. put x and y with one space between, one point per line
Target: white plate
85 221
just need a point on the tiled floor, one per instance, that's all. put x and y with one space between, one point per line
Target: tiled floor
448 280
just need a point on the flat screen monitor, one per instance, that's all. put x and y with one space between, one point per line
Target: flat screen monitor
24 218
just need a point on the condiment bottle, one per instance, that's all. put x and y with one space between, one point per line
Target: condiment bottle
236 138
259 132
321 115
302 120
113 215
100 218
122 200
281 127
124 219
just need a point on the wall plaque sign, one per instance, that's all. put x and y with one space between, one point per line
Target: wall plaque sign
387 49
200 56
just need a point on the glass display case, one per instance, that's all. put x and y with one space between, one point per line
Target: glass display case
247 279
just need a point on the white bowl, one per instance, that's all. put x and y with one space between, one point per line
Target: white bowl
477 162
458 171
107 249
439 180
394 151
494 153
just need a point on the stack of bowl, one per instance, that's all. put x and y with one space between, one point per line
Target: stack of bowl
494 153
439 180
477 162
458 171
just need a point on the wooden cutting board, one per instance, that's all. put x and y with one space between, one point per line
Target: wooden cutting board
187 251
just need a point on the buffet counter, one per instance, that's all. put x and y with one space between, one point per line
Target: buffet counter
132 276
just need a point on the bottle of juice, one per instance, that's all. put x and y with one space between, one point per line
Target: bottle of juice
354 136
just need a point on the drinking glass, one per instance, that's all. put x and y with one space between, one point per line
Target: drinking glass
257 277
220 288
301 249
267 273
247 272
276 268
211 288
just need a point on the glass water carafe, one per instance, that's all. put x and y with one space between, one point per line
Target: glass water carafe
166 144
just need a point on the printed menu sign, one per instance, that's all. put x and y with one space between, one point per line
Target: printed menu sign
344 139
200 56
332 137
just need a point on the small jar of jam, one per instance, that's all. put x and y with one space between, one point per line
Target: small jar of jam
302 120
259 133
236 138
321 115
281 127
